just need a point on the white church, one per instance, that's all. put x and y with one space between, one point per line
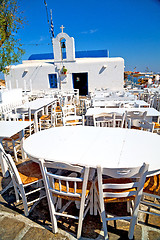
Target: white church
67 69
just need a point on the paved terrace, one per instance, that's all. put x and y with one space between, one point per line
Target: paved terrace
15 226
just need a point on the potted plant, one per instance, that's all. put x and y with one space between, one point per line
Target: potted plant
64 70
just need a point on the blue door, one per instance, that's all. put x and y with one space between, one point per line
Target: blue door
52 80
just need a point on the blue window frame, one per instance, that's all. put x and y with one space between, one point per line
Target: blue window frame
52 80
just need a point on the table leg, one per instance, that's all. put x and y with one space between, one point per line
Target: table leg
36 121
3 164
21 135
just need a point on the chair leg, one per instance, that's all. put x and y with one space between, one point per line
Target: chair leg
95 201
16 191
7 187
103 216
91 200
24 200
15 151
80 221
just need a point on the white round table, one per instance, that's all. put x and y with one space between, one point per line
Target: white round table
108 147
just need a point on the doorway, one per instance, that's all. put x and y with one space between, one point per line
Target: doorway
80 81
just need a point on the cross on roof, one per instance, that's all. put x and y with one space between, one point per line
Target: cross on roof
62 28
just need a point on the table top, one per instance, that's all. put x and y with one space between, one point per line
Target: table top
39 103
84 145
139 103
151 112
9 128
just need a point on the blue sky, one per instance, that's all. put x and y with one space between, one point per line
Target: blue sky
127 28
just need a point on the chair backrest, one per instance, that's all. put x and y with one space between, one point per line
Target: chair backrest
121 182
104 120
135 116
55 181
7 159
25 112
119 120
13 117
69 110
148 126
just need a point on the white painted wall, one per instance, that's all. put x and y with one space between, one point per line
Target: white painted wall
32 75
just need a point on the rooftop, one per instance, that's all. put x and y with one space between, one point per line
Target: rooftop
78 54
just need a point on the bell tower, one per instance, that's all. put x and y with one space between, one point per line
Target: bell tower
62 41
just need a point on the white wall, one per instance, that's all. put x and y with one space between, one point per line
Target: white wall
33 75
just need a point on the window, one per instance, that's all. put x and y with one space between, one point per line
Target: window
52 80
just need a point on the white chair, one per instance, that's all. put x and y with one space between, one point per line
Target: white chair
133 118
69 116
68 110
119 120
104 120
62 187
27 116
119 185
48 120
147 126
73 120
151 196
26 179
109 120
57 111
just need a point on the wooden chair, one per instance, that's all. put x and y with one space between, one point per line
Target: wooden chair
151 196
119 185
72 188
26 179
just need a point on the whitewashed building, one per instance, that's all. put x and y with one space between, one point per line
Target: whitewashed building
85 70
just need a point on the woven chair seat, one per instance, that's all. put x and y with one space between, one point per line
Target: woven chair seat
29 172
57 109
152 185
71 190
45 117
14 137
120 181
72 121
134 127
157 125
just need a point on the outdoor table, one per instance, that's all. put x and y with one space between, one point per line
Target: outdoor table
87 145
152 113
10 128
39 105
